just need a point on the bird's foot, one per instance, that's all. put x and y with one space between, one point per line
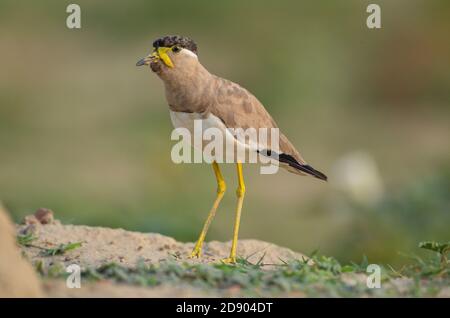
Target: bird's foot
196 252
229 260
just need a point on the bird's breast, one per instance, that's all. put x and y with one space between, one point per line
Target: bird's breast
196 122
200 129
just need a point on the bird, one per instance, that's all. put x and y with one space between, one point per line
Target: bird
193 93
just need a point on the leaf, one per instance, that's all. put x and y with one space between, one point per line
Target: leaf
347 269
25 240
441 248
61 249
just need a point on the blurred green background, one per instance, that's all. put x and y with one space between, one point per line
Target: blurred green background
86 133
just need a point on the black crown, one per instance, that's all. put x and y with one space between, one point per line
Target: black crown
171 40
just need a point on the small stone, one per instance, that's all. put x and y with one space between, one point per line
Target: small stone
44 216
30 219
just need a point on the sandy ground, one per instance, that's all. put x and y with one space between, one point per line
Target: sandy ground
104 245
101 246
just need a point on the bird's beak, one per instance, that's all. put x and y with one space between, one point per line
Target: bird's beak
159 53
148 59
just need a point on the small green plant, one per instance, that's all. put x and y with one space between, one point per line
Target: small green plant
28 239
61 249
25 239
442 248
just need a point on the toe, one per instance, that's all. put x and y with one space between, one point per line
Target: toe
196 253
229 260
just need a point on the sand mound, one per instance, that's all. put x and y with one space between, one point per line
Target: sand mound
104 245
100 246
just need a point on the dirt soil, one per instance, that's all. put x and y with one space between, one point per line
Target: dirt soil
104 245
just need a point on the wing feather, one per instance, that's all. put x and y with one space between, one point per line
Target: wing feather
238 108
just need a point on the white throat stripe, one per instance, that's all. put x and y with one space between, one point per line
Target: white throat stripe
189 52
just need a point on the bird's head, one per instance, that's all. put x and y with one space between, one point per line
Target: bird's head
170 54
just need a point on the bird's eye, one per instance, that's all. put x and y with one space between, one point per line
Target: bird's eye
176 49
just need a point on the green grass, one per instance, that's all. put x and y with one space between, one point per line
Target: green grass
61 249
25 239
322 276
28 238
442 248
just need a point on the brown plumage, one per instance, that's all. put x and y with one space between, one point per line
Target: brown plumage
190 88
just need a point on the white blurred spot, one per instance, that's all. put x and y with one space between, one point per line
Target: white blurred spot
357 175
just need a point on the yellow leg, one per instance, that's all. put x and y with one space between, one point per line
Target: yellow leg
221 187
240 194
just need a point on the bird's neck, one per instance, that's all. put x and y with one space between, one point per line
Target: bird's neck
189 90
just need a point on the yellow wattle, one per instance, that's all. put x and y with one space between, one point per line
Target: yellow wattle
162 52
